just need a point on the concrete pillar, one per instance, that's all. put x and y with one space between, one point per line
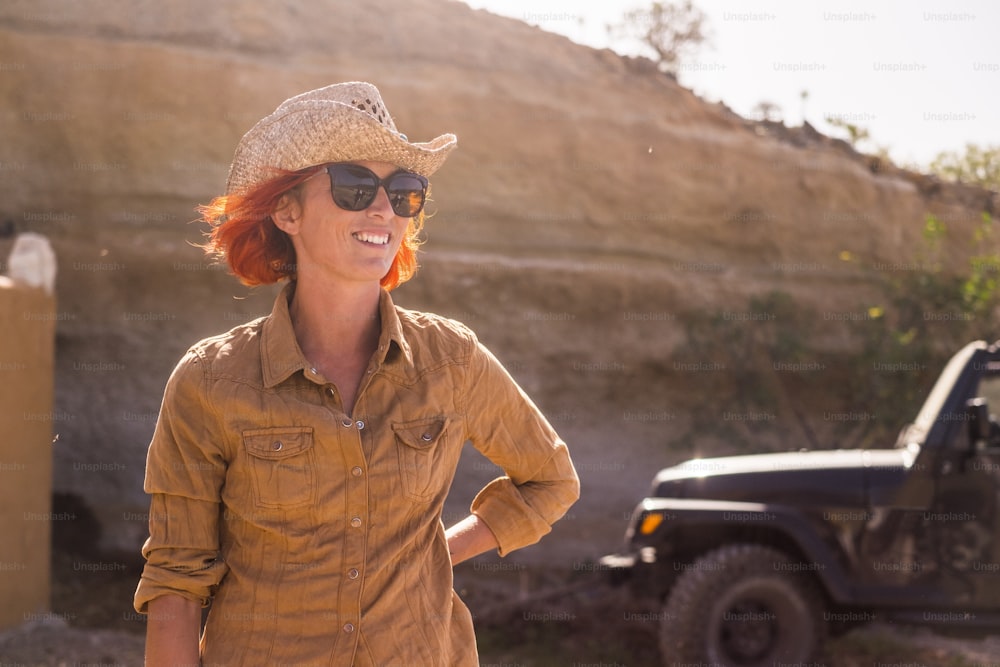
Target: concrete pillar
27 344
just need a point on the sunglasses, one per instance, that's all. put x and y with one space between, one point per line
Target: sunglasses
354 188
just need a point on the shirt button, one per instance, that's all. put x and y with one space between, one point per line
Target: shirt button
332 391
347 423
427 437
352 573
356 522
313 370
348 628
357 471
360 424
276 445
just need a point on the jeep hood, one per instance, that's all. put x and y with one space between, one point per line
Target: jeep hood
836 478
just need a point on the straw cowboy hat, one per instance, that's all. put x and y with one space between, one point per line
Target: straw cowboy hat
338 123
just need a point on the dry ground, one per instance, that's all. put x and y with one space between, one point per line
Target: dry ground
527 619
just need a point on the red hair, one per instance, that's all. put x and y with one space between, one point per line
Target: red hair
258 253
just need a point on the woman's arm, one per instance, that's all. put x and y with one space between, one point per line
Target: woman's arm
468 538
505 426
186 468
172 631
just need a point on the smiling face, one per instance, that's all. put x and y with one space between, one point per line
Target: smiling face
332 243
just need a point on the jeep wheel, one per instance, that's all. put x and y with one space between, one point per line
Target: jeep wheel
742 605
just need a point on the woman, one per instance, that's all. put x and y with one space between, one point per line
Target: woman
301 461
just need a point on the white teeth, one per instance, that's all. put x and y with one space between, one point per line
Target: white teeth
377 239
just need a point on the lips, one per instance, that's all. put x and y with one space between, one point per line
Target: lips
373 238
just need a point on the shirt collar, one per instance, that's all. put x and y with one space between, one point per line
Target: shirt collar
281 355
391 341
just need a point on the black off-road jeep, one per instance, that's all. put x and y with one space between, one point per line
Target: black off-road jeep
756 559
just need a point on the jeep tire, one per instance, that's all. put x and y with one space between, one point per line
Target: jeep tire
742 605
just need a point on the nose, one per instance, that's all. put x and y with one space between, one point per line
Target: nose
381 205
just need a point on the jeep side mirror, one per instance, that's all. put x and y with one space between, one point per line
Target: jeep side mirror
978 414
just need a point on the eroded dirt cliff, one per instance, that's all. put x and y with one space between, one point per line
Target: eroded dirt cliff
591 206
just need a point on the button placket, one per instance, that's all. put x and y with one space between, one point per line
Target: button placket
351 436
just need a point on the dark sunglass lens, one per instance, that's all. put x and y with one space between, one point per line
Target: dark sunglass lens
406 193
353 187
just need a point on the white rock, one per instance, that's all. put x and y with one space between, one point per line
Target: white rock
33 262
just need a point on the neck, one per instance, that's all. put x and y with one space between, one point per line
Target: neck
334 320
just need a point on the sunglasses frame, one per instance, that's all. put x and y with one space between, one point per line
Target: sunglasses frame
384 183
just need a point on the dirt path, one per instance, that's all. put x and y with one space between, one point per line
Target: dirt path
53 643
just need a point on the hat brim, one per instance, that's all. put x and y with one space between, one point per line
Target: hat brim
313 132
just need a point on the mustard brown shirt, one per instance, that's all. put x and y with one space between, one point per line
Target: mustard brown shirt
317 535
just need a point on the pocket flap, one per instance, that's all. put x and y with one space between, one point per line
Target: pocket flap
278 443
421 433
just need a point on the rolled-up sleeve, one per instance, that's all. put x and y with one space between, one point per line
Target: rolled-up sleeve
185 470
504 424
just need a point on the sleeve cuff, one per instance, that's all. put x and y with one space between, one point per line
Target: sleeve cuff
514 523
197 585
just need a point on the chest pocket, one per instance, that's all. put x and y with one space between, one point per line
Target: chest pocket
417 443
282 465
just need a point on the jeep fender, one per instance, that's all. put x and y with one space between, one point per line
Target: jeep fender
685 514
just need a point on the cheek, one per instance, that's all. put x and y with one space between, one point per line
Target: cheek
402 231
318 205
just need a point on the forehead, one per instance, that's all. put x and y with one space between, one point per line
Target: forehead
381 169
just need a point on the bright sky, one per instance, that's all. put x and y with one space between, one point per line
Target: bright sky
922 76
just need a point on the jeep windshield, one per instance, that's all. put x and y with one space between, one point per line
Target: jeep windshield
916 432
